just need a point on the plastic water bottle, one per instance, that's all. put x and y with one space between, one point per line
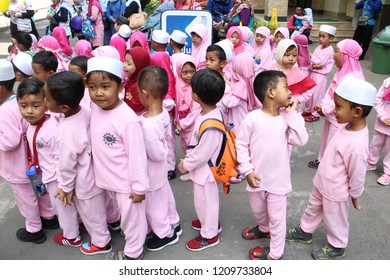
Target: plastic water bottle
258 59
36 180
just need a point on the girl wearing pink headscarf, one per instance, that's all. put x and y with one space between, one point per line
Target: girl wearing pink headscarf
262 49
34 43
234 34
119 43
138 39
304 62
200 42
60 35
49 43
247 37
279 34
186 108
83 47
346 59
95 13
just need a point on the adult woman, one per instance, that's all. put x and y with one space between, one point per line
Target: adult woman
20 13
61 16
95 13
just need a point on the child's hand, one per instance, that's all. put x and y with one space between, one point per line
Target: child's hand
386 121
66 198
253 180
356 203
137 198
181 167
292 106
318 108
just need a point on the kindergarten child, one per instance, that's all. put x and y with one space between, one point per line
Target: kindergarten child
156 127
76 177
380 139
262 49
345 158
321 64
234 34
200 42
37 212
177 42
266 188
22 68
304 62
44 65
346 59
78 64
208 87
118 148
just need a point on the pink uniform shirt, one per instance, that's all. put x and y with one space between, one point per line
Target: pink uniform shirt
343 166
118 149
382 109
263 147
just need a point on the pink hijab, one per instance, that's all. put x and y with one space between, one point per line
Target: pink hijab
303 51
60 34
163 60
183 90
34 42
199 52
284 31
242 80
83 47
139 37
106 51
350 51
239 48
263 50
120 44
49 43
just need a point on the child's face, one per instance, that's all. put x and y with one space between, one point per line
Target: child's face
298 11
40 73
187 72
260 39
128 65
281 93
196 39
213 62
278 37
337 57
342 110
50 103
324 38
32 107
104 91
290 58
77 69
235 39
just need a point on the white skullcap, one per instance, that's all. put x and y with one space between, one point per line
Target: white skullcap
107 64
160 36
227 46
124 31
23 61
357 91
6 70
179 37
328 29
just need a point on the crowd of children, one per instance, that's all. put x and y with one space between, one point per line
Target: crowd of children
99 127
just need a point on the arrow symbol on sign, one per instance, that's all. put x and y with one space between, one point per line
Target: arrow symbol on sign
196 21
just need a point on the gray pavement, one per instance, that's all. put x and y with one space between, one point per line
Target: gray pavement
369 228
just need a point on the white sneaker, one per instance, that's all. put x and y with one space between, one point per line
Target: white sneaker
185 178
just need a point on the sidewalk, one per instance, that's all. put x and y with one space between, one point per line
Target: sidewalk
369 229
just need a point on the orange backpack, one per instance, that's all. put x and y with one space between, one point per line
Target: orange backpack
226 163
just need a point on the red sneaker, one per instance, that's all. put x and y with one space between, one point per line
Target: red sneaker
197 226
63 241
90 249
200 243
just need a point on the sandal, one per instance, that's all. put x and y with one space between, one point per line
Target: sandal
306 114
120 256
254 233
259 253
313 164
312 118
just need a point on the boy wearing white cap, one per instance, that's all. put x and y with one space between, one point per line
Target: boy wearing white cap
177 42
38 212
119 152
22 68
160 40
321 64
345 158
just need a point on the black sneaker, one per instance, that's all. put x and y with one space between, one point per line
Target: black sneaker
178 230
314 164
156 244
171 174
50 223
23 235
328 252
296 234
114 226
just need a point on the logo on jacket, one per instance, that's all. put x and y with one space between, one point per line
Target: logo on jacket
109 139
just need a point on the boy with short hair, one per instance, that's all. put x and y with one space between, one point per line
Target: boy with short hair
78 64
345 158
44 65
208 87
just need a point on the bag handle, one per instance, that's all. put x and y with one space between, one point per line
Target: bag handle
29 159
